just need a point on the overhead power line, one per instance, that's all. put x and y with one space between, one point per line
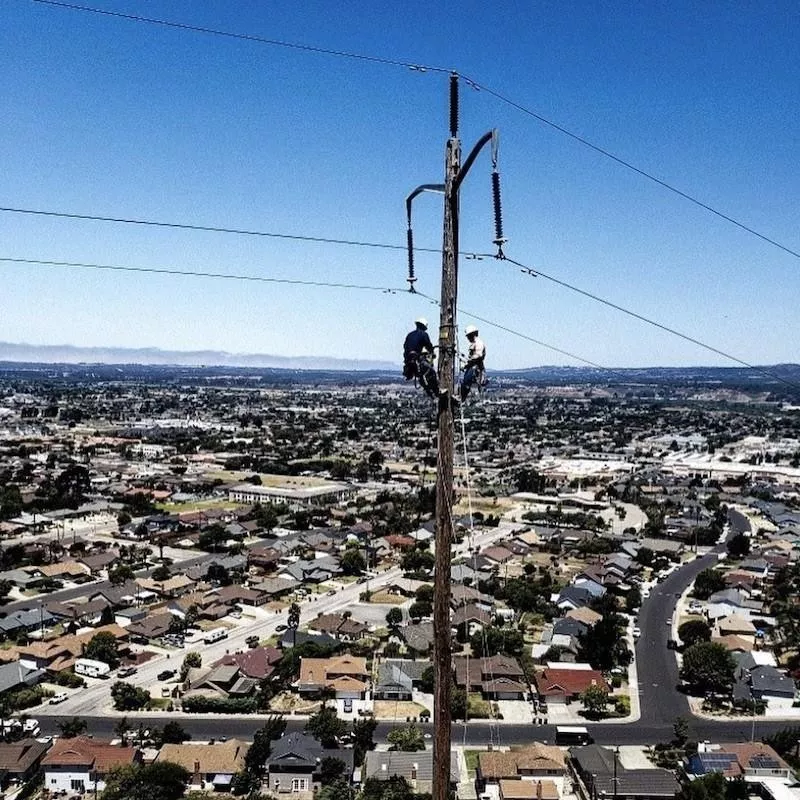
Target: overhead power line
246 37
535 272
632 167
289 281
419 67
198 274
206 228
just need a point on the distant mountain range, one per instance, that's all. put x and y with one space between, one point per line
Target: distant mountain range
69 354
94 363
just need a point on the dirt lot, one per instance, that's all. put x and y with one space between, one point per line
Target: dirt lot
286 702
399 711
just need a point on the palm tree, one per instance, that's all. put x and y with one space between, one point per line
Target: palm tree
293 621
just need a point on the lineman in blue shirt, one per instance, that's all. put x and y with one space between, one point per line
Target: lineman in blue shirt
418 358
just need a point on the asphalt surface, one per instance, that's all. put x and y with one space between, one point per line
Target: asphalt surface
478 734
660 699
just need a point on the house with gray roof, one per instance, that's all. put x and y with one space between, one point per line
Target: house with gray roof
397 677
25 621
16 676
294 762
604 776
416 768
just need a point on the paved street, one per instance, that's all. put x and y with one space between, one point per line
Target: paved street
478 734
657 668
95 698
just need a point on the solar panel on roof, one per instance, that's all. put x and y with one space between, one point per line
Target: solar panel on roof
764 762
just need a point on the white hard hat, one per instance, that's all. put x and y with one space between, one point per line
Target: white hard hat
470 329
421 321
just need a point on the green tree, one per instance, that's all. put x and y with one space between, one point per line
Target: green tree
595 701
693 631
70 728
326 727
174 733
293 622
331 769
738 546
121 574
681 730
103 647
352 561
218 573
394 617
419 609
363 738
408 739
426 680
707 583
122 729
708 667
491 641
192 660
338 790
161 780
459 703
161 573
5 589
633 600
395 788
257 755
128 697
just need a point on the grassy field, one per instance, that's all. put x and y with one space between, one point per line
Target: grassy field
271 481
471 757
199 505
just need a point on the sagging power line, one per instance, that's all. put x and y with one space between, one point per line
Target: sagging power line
476 84
410 246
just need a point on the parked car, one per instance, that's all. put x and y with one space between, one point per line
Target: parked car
166 674
60 697
637 632
124 672
280 628
348 706
252 641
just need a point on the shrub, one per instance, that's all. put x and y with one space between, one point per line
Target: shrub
220 705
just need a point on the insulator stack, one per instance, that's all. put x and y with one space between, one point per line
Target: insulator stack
411 276
454 105
499 239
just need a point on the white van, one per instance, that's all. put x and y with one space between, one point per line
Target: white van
216 635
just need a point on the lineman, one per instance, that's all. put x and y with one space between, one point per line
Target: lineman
418 358
474 371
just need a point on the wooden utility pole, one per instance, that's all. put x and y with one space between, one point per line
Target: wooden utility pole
442 665
455 173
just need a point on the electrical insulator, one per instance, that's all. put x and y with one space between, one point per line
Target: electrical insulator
411 277
499 239
454 105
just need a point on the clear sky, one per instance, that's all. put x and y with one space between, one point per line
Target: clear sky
104 116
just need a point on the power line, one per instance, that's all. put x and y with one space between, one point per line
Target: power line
373 245
527 338
533 272
199 274
289 281
205 228
246 37
363 57
632 167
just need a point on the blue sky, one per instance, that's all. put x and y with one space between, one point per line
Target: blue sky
103 116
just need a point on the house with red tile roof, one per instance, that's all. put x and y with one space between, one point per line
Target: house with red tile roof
81 764
562 685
